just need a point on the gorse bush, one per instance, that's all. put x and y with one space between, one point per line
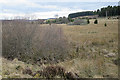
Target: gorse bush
70 19
88 21
105 24
96 21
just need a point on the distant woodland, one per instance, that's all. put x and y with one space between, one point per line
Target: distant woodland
109 10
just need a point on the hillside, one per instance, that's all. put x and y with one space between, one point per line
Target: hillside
78 14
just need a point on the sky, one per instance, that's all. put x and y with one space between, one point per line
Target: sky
44 9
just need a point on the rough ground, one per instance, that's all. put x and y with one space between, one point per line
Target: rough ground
97 50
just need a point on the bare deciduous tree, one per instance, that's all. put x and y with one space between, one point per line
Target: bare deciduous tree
28 41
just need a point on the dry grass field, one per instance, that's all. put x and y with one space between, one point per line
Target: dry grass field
92 50
95 42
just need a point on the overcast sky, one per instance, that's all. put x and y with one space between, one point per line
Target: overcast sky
44 9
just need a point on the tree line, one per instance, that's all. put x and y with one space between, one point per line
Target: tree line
87 13
109 11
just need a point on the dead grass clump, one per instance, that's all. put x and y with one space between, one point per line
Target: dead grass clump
70 76
53 72
27 71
